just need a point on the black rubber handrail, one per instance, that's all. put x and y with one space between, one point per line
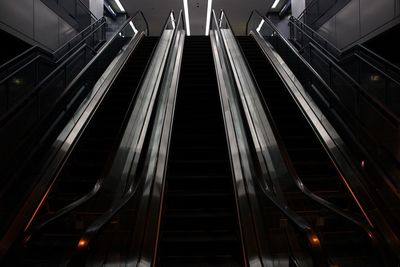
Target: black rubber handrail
98 185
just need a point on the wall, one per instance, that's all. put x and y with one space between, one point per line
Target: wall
35 23
360 20
298 7
96 7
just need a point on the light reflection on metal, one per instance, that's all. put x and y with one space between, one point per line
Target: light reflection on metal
120 6
133 27
172 20
208 21
187 21
260 25
275 4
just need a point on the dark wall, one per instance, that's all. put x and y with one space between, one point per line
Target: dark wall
13 48
386 45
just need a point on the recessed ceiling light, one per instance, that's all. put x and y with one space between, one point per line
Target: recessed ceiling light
209 5
187 22
275 4
120 5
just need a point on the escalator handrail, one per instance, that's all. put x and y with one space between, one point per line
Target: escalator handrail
94 229
375 237
292 172
49 55
289 164
54 164
381 109
384 61
40 224
297 220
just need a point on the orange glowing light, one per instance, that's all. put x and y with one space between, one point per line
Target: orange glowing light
82 243
315 240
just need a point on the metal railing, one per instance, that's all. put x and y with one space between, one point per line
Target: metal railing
315 10
74 11
362 113
65 106
25 72
377 76
264 187
144 110
375 120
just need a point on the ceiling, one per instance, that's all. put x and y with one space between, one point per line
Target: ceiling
156 12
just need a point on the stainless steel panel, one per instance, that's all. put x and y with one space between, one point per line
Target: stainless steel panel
18 15
374 14
65 32
328 30
46 25
347 24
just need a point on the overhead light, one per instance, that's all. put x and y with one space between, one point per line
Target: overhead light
187 22
209 5
120 5
260 25
275 4
133 27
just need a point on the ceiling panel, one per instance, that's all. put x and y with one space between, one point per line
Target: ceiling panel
156 12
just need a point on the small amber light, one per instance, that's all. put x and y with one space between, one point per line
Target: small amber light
314 240
82 243
362 164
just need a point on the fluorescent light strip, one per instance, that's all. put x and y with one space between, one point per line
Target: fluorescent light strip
187 22
172 20
275 4
120 5
133 27
260 25
208 21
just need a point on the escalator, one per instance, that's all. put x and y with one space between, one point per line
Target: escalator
343 242
90 159
199 224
